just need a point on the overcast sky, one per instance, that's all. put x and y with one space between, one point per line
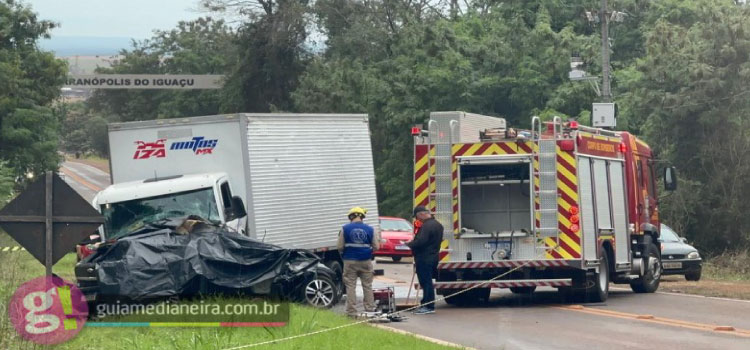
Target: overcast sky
114 18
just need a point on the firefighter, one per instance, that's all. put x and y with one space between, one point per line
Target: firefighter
426 248
356 243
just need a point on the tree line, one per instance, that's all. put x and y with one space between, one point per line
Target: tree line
681 72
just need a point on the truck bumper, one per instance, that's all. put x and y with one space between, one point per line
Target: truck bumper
560 282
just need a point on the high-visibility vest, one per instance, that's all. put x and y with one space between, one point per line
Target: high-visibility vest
358 238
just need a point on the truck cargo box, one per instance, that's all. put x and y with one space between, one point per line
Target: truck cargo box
298 174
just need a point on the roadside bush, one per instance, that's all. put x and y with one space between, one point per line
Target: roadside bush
733 265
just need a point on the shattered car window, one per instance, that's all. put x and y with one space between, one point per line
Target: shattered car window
125 217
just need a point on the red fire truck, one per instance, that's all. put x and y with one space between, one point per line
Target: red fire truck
562 205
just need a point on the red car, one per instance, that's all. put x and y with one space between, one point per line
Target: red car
394 233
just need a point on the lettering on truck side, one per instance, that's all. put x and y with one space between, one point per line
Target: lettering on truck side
157 149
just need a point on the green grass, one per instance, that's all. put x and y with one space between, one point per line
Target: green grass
19 267
730 266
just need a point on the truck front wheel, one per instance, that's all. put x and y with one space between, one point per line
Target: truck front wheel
649 282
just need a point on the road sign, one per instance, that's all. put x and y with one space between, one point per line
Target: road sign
144 81
48 219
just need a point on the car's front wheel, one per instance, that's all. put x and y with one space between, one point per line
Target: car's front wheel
320 292
693 276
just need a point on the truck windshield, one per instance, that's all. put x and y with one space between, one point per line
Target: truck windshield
125 217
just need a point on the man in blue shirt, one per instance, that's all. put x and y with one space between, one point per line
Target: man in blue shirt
356 243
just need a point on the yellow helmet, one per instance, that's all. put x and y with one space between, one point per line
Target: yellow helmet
357 211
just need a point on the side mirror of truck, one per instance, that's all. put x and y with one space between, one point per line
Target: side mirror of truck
237 210
670 178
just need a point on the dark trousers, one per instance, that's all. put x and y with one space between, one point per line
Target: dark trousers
424 275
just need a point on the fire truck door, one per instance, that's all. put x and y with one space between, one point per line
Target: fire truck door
619 211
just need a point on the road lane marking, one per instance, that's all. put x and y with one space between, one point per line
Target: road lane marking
713 328
91 168
423 337
688 295
83 174
80 180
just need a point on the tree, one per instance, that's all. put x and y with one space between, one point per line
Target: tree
271 53
688 95
84 130
495 63
30 80
202 46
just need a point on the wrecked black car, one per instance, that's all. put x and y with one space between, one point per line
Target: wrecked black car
191 257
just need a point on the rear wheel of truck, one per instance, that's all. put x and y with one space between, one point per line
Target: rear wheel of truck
649 282
396 258
522 290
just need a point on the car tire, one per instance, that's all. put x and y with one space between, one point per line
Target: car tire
320 292
693 276
396 258
522 290
649 282
338 272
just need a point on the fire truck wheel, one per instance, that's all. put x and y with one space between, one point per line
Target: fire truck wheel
649 283
597 286
522 290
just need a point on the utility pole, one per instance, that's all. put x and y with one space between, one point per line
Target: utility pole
604 17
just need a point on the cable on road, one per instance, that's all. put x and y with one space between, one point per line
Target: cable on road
379 317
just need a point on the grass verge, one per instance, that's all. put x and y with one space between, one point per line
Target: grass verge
18 267
726 276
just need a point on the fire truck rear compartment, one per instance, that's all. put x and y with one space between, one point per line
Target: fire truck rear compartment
495 198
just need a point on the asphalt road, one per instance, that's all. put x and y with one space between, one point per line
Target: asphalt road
543 320
85 179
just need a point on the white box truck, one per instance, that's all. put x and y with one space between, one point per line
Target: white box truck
294 175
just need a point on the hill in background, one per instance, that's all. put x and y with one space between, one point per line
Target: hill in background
65 46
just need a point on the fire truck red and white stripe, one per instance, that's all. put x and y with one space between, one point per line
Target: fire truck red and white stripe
501 263
505 283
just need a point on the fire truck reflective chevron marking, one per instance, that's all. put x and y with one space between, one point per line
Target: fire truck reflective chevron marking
421 175
482 149
501 263
504 283
568 244
444 251
488 149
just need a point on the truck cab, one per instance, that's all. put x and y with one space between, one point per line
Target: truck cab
129 205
